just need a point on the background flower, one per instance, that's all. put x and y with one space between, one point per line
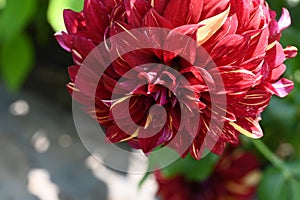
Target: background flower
235 176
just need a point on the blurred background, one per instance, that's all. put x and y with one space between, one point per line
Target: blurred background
41 154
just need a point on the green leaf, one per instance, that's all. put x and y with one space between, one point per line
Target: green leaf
273 185
55 11
192 169
276 186
295 189
15 17
16 60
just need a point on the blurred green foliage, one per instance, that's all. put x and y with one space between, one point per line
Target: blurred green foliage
197 169
16 49
55 10
17 52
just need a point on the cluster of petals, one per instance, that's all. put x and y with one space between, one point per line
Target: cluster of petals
241 37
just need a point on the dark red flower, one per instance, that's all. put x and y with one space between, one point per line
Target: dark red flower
241 38
235 177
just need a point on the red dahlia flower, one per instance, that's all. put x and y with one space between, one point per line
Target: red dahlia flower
241 38
235 176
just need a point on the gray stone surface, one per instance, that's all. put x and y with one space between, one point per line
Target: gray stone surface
43 144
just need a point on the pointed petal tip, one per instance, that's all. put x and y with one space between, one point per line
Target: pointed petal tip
285 20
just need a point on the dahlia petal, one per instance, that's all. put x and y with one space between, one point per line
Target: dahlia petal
78 95
284 20
180 12
135 10
139 57
228 28
121 66
281 88
229 113
175 48
235 80
290 51
96 16
276 73
252 104
73 72
253 64
102 93
159 5
108 82
101 114
129 117
118 13
213 7
230 50
110 4
134 143
181 142
174 117
258 43
200 77
229 134
127 86
73 20
153 19
139 105
242 10
248 126
167 79
257 20
60 40
275 55
80 46
114 134
118 27
149 143
219 147
197 147
87 81
210 26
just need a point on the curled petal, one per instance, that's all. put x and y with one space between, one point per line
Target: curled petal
60 39
285 20
290 51
281 88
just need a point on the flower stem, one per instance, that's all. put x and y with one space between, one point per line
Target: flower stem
272 158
